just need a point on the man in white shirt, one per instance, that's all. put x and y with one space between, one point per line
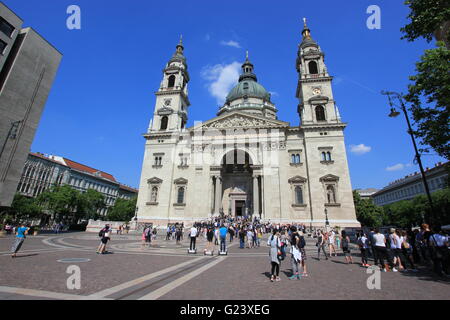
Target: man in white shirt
396 247
193 235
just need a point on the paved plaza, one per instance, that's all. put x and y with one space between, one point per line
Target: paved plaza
166 272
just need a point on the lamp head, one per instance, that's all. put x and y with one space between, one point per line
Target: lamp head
394 113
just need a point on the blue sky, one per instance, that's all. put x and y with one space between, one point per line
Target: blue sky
103 96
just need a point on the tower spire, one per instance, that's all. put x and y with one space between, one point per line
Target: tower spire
306 32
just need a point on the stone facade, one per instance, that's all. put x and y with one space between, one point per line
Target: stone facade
246 162
28 67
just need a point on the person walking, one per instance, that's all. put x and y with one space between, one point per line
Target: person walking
241 235
381 251
439 252
363 244
395 245
321 245
274 254
407 250
331 240
296 255
21 234
345 242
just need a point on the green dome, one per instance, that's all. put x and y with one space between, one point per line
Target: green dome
250 88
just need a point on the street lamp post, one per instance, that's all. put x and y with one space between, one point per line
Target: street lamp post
394 114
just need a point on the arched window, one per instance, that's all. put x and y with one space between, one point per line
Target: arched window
320 113
154 195
331 194
164 121
298 195
171 81
328 156
180 195
297 158
324 156
313 67
293 158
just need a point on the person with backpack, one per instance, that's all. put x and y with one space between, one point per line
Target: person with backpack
274 254
21 234
104 234
296 255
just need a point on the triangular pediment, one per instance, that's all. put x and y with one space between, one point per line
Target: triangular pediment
154 180
329 177
241 120
297 179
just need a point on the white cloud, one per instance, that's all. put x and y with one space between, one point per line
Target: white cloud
360 149
221 78
230 43
274 94
397 167
207 37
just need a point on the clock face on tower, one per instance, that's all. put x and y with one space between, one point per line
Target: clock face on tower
317 91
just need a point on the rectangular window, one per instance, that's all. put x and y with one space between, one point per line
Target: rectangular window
6 27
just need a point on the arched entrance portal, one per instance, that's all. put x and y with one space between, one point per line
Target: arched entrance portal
236 188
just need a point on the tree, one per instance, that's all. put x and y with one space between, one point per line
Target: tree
23 208
433 82
60 201
367 213
89 203
430 18
426 18
123 210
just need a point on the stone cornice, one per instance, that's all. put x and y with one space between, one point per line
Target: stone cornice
318 126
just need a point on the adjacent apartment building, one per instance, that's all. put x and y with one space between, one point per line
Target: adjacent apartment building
28 65
411 185
41 172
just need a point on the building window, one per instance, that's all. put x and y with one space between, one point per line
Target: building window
158 161
180 195
320 113
171 81
298 195
164 122
313 67
295 158
6 27
245 85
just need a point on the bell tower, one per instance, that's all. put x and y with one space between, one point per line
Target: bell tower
316 103
171 108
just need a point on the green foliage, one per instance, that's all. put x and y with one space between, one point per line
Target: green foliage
367 213
433 82
23 208
426 17
410 213
123 210
89 203
60 201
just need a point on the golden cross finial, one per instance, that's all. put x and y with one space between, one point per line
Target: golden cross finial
181 39
304 23
246 55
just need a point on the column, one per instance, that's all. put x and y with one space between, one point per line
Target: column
255 196
211 195
218 195
262 197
